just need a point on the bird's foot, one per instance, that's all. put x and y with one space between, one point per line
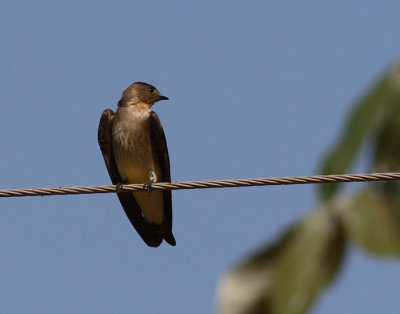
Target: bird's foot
152 179
119 187
147 186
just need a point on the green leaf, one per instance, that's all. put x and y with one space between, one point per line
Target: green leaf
372 222
287 276
387 145
370 115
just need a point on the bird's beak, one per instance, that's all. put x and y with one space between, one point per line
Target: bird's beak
163 97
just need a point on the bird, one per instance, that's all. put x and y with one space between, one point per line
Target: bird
134 148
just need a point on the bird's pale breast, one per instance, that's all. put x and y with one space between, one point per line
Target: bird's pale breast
132 146
134 158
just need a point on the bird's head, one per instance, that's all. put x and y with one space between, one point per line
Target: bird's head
140 92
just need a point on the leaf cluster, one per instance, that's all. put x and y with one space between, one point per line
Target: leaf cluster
288 275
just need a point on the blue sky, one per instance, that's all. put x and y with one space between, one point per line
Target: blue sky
256 89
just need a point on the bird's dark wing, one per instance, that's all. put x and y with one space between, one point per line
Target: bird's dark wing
147 231
160 154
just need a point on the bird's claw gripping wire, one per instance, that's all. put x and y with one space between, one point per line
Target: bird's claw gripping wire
119 187
147 186
152 179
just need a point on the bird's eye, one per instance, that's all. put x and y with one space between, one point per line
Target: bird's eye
151 90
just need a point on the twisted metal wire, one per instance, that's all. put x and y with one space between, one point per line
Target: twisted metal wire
186 185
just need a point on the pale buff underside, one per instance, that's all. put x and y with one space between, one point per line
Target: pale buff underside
134 158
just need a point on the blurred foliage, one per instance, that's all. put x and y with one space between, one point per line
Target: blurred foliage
372 222
374 120
288 275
